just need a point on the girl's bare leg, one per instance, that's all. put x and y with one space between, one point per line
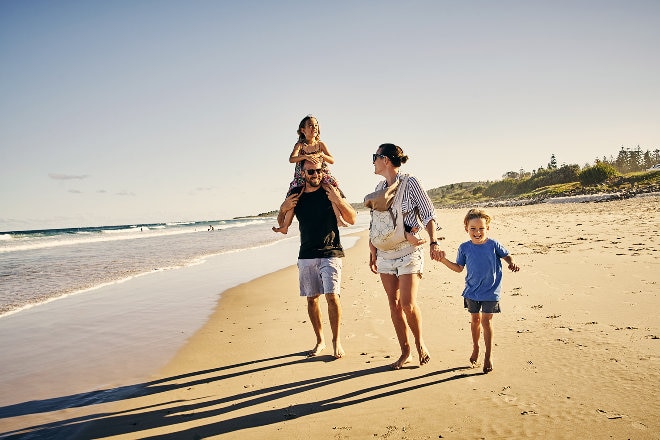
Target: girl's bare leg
340 221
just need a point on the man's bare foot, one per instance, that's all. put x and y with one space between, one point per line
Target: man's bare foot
474 357
316 350
488 366
404 359
339 350
283 229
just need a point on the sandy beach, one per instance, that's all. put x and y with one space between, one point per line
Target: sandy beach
576 355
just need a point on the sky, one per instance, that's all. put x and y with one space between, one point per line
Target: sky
139 111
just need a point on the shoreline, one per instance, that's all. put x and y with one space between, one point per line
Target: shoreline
575 332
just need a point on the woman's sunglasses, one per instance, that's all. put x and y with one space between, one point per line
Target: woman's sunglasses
376 156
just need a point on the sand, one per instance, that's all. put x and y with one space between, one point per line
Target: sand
576 352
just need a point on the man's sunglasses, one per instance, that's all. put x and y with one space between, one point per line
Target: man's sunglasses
316 171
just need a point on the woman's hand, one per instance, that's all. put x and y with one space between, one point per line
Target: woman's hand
437 254
372 263
373 252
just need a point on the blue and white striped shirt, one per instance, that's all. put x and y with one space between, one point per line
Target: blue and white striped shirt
416 205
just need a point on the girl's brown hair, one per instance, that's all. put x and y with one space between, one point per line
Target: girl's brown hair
301 136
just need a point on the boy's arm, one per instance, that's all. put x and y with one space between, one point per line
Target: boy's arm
450 264
513 267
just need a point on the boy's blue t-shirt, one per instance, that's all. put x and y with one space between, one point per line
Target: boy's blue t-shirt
483 281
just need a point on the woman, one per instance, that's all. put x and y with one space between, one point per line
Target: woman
399 274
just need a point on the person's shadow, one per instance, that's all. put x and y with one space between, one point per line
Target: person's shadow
172 413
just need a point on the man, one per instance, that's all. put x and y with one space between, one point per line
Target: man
319 258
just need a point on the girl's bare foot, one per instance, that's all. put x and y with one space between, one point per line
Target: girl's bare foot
283 229
341 224
320 346
488 366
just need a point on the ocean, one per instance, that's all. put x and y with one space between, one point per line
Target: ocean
90 308
39 266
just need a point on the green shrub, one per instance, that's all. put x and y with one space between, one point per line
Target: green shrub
596 174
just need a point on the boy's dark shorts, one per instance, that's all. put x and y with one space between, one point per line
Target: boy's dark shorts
484 306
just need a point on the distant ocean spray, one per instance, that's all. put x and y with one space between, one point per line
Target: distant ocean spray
41 265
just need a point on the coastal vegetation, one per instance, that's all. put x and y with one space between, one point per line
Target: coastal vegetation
627 173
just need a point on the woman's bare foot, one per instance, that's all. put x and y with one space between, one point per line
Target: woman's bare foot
339 350
283 229
474 357
320 346
404 359
488 366
424 356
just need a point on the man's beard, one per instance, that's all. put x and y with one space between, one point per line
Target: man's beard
314 183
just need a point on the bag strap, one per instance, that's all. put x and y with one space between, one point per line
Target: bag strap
403 184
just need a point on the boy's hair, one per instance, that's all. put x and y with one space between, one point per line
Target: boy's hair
476 213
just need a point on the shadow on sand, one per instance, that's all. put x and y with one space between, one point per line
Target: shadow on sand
172 413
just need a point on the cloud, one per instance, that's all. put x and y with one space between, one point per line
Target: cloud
125 193
57 176
75 191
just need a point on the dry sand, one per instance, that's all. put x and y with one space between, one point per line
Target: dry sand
576 350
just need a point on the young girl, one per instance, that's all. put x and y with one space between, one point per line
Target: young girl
309 147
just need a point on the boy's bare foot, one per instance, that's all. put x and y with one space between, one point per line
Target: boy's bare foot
316 350
488 366
474 357
339 350
283 229
404 359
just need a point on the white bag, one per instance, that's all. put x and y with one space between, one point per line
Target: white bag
386 231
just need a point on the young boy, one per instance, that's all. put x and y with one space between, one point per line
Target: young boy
483 281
